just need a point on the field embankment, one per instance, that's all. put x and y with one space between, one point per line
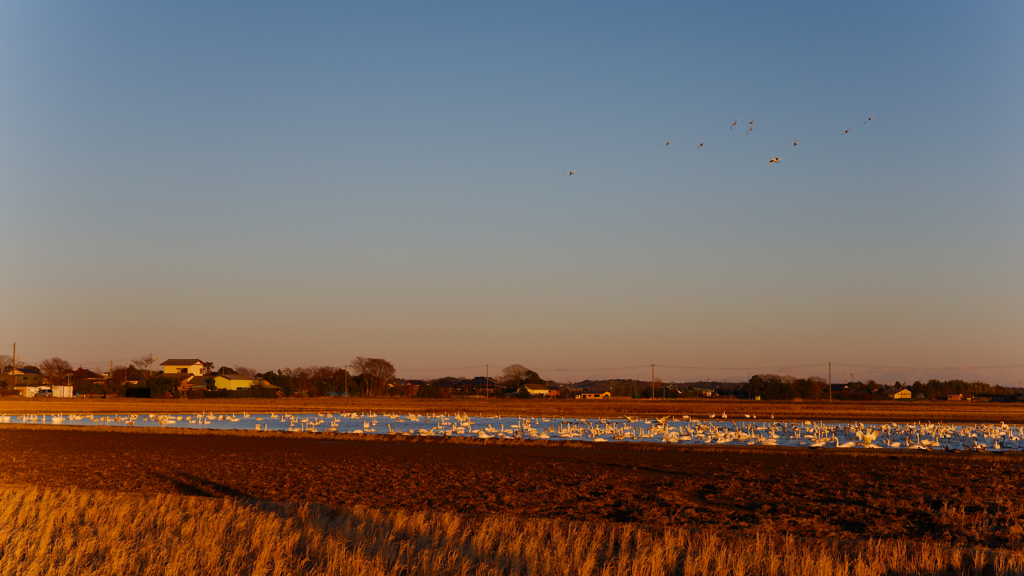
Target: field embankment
72 531
892 411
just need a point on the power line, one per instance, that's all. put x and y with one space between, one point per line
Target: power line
439 369
775 367
929 367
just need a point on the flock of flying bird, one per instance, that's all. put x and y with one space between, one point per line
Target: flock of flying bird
750 127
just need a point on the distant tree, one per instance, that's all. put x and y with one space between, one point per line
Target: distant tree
376 373
144 363
281 378
6 365
301 382
245 371
54 369
327 378
513 375
532 377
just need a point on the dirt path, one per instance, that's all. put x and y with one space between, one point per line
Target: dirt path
963 498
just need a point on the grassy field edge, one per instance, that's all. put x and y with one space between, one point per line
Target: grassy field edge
74 531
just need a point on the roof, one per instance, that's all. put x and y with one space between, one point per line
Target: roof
181 362
26 371
536 387
235 377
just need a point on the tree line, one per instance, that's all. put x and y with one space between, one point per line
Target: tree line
377 377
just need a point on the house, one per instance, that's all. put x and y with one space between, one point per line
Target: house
192 366
837 388
538 390
593 395
182 381
89 376
235 381
956 397
26 376
903 394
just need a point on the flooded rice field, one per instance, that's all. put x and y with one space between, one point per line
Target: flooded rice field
746 429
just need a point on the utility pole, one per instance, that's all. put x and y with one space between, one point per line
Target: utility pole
829 382
652 381
487 381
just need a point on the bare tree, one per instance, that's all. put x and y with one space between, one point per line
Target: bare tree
7 365
54 369
514 374
377 372
245 370
326 378
144 363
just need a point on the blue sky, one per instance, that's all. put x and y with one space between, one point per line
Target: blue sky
277 185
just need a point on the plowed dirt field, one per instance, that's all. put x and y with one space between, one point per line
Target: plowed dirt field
954 497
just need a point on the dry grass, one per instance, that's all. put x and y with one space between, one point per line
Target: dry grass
906 411
83 532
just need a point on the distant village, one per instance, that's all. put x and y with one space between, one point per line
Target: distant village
375 377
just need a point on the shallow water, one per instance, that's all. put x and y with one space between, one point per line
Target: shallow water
736 432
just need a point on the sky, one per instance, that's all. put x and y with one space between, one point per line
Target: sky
277 185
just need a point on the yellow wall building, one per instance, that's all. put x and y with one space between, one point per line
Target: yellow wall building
233 382
184 365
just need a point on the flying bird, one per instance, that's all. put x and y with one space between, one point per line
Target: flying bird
776 160
795 143
847 130
701 144
570 173
749 129
752 121
734 123
667 143
869 118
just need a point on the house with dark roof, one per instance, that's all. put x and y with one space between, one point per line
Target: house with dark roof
899 393
593 395
26 376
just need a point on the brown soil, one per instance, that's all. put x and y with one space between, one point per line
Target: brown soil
961 498
874 411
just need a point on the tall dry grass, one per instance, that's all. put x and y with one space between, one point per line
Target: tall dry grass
78 532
